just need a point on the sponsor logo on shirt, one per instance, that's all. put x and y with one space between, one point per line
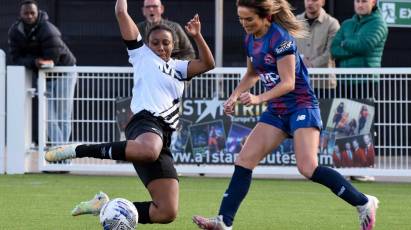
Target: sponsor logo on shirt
284 46
171 72
270 79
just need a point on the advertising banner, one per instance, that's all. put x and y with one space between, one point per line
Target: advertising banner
206 135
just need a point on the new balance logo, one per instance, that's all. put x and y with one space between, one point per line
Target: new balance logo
342 190
300 117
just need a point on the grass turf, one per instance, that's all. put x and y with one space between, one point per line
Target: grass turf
44 201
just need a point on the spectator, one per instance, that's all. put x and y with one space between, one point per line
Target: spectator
315 48
152 11
360 43
36 43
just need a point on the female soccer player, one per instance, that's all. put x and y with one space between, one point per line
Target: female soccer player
158 85
292 111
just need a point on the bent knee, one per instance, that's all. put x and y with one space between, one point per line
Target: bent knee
168 215
306 170
146 152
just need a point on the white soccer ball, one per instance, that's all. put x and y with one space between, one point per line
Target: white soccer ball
119 214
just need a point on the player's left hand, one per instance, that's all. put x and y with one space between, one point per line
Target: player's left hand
193 26
249 99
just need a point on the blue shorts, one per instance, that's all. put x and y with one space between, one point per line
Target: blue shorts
303 118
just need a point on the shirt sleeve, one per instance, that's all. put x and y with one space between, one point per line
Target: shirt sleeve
181 67
137 50
245 44
285 46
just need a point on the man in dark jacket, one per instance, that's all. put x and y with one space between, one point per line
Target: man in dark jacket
152 11
36 43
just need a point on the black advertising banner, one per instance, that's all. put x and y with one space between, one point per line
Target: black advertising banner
206 135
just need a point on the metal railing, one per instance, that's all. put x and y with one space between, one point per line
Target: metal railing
2 111
94 118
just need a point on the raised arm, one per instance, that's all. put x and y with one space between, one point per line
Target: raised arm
128 28
205 59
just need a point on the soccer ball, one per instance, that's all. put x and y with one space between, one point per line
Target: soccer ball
119 214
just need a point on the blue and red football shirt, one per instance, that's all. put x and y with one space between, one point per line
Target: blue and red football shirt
264 53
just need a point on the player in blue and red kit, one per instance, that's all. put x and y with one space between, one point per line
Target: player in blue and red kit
292 111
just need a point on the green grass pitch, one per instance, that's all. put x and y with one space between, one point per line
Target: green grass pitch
44 201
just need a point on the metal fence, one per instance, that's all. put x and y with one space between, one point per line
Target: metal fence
94 117
2 110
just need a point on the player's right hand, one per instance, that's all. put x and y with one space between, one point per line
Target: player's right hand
229 105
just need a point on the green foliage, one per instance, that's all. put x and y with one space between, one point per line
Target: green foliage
44 201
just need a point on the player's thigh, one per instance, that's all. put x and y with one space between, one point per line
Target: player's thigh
306 143
150 141
261 141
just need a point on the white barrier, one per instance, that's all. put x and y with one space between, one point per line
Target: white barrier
19 115
101 87
2 111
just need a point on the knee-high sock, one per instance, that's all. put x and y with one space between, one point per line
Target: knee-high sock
234 195
338 185
143 209
113 150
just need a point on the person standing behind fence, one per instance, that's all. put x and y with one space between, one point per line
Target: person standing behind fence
36 43
292 111
359 44
315 48
158 87
153 11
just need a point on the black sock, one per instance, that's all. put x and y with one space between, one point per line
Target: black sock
143 209
338 185
113 150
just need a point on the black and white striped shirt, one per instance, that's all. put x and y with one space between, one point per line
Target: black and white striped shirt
158 85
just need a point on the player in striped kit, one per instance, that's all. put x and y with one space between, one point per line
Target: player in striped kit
158 87
292 111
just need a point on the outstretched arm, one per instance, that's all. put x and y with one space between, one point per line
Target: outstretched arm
128 28
205 59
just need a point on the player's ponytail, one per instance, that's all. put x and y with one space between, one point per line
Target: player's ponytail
281 13
278 11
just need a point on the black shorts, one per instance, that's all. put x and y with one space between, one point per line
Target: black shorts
163 167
